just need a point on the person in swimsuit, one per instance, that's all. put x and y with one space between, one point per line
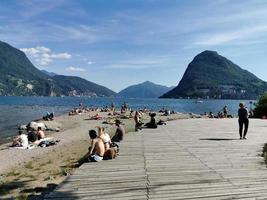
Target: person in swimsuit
105 137
97 148
40 133
138 123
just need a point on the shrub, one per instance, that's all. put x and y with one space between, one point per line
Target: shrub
261 106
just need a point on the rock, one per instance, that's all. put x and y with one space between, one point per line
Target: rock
35 125
23 127
53 126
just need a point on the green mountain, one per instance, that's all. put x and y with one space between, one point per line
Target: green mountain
144 90
211 75
72 86
18 77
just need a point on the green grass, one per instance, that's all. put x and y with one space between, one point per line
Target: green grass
29 165
264 153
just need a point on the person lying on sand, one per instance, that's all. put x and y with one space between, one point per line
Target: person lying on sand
21 140
96 117
97 148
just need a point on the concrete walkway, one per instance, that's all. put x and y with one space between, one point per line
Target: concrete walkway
186 159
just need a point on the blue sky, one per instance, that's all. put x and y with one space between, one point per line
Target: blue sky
117 43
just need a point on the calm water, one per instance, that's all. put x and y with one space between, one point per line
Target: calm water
20 110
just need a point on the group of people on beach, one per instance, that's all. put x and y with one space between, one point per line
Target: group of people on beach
224 113
102 146
23 140
151 124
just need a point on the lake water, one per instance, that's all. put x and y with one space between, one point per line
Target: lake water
21 110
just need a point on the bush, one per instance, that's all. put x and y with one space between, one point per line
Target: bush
261 106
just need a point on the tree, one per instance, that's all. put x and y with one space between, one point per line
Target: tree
261 106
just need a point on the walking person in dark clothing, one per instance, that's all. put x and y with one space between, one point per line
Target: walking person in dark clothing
243 120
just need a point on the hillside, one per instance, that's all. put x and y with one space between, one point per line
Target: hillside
19 77
72 86
144 90
211 75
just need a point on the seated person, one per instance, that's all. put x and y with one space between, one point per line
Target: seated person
32 136
40 133
152 123
110 153
138 123
97 148
48 116
104 136
120 132
21 140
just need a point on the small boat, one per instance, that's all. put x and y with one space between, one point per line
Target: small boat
198 101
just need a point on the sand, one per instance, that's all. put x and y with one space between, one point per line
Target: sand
22 172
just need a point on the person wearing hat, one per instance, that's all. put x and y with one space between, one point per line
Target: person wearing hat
243 120
120 132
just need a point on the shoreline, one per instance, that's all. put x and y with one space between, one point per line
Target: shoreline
41 167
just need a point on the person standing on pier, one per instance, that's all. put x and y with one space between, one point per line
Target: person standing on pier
243 120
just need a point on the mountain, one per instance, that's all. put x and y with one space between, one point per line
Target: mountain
144 90
72 86
211 75
51 74
18 77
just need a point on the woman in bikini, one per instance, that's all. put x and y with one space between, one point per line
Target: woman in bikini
104 136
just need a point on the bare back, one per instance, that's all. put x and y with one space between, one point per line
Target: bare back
99 147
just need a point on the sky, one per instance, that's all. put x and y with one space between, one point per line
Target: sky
118 43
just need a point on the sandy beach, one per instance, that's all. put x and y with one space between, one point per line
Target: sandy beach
33 171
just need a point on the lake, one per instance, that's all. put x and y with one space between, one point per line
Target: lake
21 110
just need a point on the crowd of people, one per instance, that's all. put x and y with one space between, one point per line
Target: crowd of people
30 137
102 145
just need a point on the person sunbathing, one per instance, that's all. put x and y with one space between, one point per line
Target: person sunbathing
96 117
120 132
40 133
97 148
21 140
104 136
138 123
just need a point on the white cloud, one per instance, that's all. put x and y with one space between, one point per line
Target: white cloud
61 56
43 55
77 69
90 62
226 37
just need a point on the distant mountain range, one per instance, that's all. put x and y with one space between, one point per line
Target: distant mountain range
19 77
211 75
144 90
